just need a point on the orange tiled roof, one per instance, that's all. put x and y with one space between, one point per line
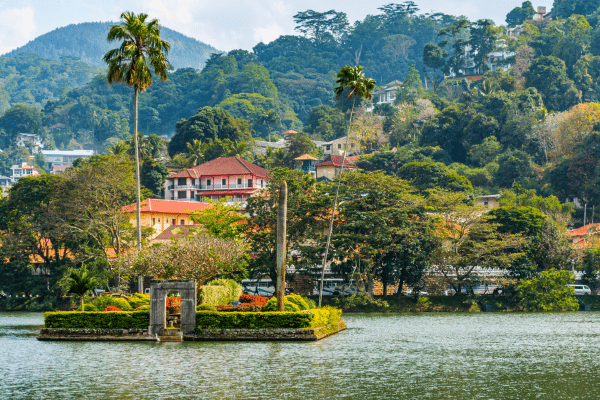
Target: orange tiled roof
167 207
222 166
336 160
305 157
174 232
584 230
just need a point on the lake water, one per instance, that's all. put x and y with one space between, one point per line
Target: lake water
427 356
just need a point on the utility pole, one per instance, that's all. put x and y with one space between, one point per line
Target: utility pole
281 245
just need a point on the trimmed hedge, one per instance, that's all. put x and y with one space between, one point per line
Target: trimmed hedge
97 320
253 320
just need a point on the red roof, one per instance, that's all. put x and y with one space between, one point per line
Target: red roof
174 232
584 230
60 168
222 166
167 207
288 132
336 160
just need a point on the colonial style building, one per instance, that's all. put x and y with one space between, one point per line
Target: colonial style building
220 178
20 171
64 158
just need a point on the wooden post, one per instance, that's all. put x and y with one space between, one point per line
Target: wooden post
281 245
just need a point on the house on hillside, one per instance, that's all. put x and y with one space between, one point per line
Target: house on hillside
23 170
306 163
387 95
64 158
489 201
336 146
331 166
220 178
5 184
580 237
262 146
162 214
36 141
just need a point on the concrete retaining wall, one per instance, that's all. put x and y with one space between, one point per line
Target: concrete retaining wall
266 334
95 334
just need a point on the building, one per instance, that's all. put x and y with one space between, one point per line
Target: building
489 201
336 146
217 179
387 95
580 237
20 171
5 184
331 166
262 146
64 157
162 214
36 141
306 163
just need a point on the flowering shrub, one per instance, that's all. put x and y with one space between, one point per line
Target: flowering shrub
112 308
174 305
244 307
260 301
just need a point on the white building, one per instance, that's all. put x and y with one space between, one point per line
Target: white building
64 158
36 141
387 95
23 170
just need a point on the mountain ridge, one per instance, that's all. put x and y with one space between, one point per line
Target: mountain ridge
87 41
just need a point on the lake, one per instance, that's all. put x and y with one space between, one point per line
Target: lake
380 356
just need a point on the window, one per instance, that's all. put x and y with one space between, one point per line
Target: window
192 194
208 182
339 145
153 221
182 222
181 194
181 181
249 182
239 181
261 183
238 197
173 222
328 147
224 182
159 220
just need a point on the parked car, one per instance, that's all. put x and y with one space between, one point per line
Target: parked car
581 289
409 292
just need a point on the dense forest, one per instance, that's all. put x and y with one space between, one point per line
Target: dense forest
532 120
87 41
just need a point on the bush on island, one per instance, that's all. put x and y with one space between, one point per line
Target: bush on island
143 307
220 291
88 307
138 299
292 302
104 301
97 320
206 307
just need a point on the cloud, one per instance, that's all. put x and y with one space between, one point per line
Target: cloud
17 28
268 34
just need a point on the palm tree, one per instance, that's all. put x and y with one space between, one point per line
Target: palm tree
353 80
80 282
270 118
242 149
195 153
118 148
141 48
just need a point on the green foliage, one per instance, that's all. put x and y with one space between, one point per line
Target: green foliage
206 307
325 316
518 15
104 301
222 220
292 302
221 292
138 299
361 302
424 176
90 307
145 307
97 320
253 320
525 220
548 292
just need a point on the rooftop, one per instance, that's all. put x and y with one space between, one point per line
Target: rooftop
174 232
167 207
584 230
68 152
222 166
305 157
336 160
489 196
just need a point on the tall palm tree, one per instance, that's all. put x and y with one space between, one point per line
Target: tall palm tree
118 148
270 118
141 49
354 81
195 152
80 282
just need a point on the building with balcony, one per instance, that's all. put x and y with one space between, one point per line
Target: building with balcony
20 171
64 157
307 164
220 178
36 141
387 95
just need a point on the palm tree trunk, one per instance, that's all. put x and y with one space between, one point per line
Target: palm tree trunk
337 191
269 127
82 307
137 168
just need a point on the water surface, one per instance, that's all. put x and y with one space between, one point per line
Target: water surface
426 356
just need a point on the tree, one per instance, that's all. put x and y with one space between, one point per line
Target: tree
141 46
80 283
152 176
195 152
482 42
425 176
548 292
351 80
518 15
315 25
455 64
470 240
514 165
486 152
20 118
297 145
222 220
549 76
566 8
434 57
269 118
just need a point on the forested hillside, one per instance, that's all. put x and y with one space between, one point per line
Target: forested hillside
87 41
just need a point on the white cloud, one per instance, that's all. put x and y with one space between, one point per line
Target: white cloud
268 33
17 28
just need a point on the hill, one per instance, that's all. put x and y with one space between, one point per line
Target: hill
87 41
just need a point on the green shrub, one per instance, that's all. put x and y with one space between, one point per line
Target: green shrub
88 307
221 292
335 315
361 301
325 316
97 320
310 302
548 292
253 320
292 302
206 307
104 301
143 307
138 299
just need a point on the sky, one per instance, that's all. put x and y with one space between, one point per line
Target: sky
224 24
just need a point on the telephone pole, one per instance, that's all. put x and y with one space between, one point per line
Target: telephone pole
281 245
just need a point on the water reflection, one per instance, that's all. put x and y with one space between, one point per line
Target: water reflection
427 356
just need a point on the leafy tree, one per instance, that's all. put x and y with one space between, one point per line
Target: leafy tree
269 118
315 25
486 152
208 124
297 145
20 118
518 15
141 46
548 75
455 33
222 220
434 57
566 8
153 175
548 292
482 42
514 165
426 175
195 152
80 282
524 220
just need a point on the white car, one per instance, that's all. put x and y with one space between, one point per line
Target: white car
581 289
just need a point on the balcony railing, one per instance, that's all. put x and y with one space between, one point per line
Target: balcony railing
216 186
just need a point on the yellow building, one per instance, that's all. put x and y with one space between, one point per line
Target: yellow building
490 201
161 214
331 166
